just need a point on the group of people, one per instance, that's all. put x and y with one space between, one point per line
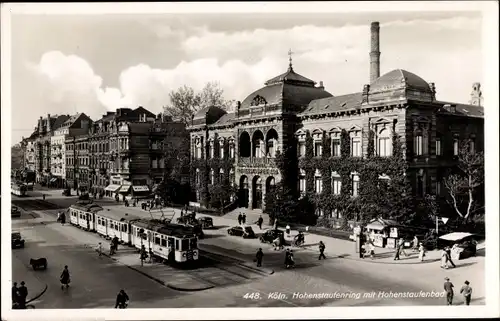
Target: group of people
466 291
19 295
446 260
242 219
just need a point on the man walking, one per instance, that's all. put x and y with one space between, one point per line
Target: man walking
240 218
398 250
321 250
99 248
244 219
15 293
259 257
448 256
23 294
260 221
466 291
448 287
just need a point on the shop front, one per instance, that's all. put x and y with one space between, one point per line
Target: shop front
111 190
140 192
124 192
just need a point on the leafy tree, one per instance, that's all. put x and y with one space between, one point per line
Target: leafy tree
464 185
185 102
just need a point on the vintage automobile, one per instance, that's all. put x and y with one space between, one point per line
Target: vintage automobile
66 192
246 232
17 240
206 222
84 197
462 244
14 211
270 235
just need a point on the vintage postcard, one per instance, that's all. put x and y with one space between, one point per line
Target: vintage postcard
209 160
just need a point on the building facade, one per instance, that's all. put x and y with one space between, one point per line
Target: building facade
75 125
126 152
292 109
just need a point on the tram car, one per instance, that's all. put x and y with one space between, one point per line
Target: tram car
171 242
111 223
83 215
19 189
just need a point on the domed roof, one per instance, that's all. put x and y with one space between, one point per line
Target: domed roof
399 78
289 87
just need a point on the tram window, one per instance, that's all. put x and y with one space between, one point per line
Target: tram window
185 245
163 242
176 245
193 243
157 239
171 242
124 228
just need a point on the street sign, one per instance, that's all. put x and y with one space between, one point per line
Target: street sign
444 219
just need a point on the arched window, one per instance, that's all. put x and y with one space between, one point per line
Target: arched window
355 143
302 181
211 149
421 181
221 148
456 148
318 182
212 177
384 144
355 184
221 175
336 183
335 137
438 147
421 138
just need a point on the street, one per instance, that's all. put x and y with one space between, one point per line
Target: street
96 281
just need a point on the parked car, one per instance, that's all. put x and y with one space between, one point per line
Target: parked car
14 211
17 240
84 197
466 245
66 192
246 232
270 235
206 222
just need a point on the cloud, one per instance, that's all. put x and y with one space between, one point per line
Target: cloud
242 61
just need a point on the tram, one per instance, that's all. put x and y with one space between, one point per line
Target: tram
19 189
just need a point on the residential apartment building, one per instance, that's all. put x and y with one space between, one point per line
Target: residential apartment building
75 125
77 162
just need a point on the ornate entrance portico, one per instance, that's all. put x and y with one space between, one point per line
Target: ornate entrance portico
257 192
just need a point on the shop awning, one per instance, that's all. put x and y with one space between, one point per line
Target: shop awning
140 188
124 189
52 180
375 226
112 188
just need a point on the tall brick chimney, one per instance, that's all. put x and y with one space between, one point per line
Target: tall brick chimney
375 52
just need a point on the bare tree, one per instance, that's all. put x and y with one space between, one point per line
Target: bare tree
462 187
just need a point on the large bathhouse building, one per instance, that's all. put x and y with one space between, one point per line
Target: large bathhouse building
291 107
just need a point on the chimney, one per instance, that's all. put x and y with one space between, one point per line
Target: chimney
48 122
476 95
40 125
375 52
321 86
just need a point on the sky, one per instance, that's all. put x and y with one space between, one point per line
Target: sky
64 64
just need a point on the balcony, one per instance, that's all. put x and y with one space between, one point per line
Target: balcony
256 161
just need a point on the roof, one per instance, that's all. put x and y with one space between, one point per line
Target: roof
399 78
226 118
463 109
87 207
71 120
290 76
117 215
176 230
58 121
332 104
455 236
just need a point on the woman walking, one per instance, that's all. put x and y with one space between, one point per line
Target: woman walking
421 252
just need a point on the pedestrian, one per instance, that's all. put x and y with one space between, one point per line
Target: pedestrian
244 219
444 259
466 290
43 196
398 250
402 247
99 248
15 294
260 221
415 243
63 218
321 250
240 218
287 229
372 249
421 252
23 294
448 287
259 256
448 254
